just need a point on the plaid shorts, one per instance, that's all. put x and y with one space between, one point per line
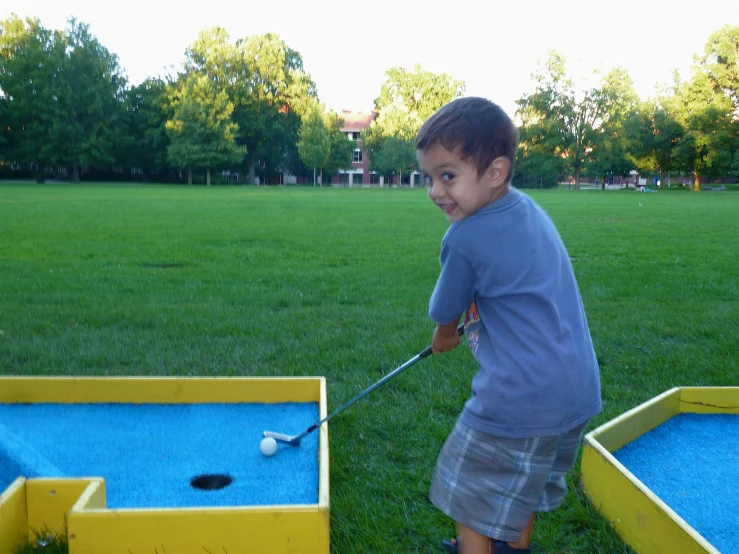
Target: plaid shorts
493 485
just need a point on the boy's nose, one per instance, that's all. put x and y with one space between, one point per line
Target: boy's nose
434 190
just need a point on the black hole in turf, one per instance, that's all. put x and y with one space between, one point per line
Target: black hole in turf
211 482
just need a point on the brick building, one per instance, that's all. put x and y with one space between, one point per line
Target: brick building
354 124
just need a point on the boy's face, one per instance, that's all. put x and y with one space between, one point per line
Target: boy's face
454 185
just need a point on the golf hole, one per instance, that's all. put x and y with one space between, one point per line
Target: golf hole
211 482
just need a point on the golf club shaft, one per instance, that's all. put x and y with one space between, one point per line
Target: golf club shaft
420 356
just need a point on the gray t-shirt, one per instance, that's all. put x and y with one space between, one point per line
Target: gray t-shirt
508 269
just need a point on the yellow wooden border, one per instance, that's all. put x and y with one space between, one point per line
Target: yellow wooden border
709 400
93 529
49 500
637 421
13 516
274 530
159 390
640 517
324 538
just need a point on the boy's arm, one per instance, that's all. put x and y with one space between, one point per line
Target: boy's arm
445 337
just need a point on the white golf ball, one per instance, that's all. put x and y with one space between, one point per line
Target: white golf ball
268 446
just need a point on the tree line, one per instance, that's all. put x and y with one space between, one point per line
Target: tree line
250 106
239 105
691 127
604 130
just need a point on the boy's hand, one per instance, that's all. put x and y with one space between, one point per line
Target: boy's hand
445 338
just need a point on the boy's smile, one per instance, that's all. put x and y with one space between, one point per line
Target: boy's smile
448 209
454 184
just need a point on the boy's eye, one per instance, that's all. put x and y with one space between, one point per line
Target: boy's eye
447 176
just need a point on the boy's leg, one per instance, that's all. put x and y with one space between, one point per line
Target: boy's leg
471 542
525 539
496 485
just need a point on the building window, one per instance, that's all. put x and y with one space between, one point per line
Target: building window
357 179
358 155
344 178
356 135
375 178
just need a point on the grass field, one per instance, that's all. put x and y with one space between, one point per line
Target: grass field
177 280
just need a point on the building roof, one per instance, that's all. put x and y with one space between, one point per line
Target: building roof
355 121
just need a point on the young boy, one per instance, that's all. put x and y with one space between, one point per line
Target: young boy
505 267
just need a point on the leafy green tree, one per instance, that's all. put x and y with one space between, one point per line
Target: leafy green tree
4 151
201 132
613 144
314 145
654 135
721 62
30 61
212 54
421 92
88 101
342 149
145 141
561 119
536 165
395 155
277 95
721 65
707 117
406 100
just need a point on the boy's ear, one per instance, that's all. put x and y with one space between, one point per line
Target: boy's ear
497 173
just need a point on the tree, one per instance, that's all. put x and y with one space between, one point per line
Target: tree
421 92
342 149
201 132
610 153
145 139
213 55
314 145
706 115
88 101
721 63
406 100
271 93
536 165
270 107
560 118
394 156
30 61
654 135
707 107
4 155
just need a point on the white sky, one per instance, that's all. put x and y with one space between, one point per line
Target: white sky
347 45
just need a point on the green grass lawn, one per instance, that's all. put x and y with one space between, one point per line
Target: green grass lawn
177 280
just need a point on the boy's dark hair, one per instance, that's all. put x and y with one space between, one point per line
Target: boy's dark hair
476 128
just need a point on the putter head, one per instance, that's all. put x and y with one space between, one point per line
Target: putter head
279 437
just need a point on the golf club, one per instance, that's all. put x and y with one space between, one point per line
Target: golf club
295 440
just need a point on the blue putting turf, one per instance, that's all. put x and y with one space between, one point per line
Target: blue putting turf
692 463
148 453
